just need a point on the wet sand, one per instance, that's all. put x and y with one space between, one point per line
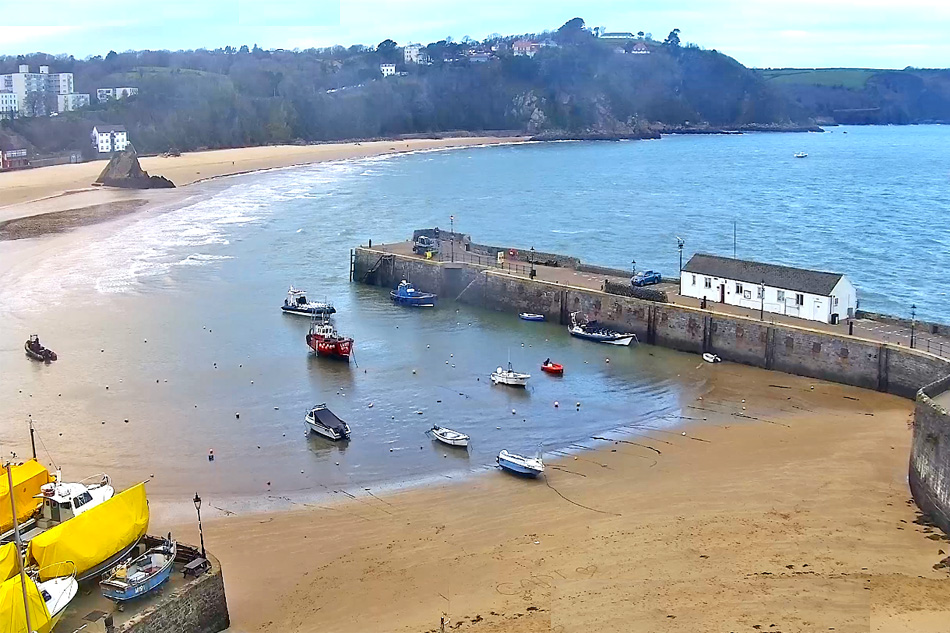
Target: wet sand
19 187
791 514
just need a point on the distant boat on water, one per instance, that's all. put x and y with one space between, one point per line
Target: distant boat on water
324 422
407 295
448 436
509 377
801 155
529 316
594 331
296 303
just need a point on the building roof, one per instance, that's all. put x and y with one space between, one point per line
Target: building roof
785 277
109 128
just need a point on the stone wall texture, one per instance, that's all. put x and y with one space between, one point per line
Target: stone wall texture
197 607
790 349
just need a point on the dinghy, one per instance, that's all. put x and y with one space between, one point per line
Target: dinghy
36 351
448 436
519 464
296 303
509 377
711 358
131 579
323 422
555 369
529 316
593 331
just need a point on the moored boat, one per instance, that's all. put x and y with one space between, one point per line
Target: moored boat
448 436
594 331
296 303
519 464
130 579
324 422
324 340
555 369
530 316
711 358
509 377
406 294
46 601
801 155
36 351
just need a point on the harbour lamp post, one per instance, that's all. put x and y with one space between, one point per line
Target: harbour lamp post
633 267
452 229
679 246
201 533
762 297
533 271
913 323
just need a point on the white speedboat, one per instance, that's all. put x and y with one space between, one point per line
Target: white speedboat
594 331
801 155
296 303
450 437
509 377
519 464
62 501
711 358
324 422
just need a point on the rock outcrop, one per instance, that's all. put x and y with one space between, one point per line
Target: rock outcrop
125 171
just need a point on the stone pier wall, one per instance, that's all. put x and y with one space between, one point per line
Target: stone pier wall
790 349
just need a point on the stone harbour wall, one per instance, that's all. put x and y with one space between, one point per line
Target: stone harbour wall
790 349
197 607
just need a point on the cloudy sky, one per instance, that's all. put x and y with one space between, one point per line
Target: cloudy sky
761 33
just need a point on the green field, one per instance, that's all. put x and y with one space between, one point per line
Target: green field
853 78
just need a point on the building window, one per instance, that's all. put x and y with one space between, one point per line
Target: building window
760 293
836 302
780 296
694 280
799 299
708 282
738 289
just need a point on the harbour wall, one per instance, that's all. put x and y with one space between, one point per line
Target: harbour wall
199 606
786 348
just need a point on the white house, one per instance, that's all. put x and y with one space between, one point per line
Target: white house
71 101
105 94
414 54
388 70
525 48
9 105
806 294
110 138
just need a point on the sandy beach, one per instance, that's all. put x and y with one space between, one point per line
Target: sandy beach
57 188
787 511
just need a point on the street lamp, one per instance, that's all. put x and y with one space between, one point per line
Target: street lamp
762 297
533 271
201 533
679 246
452 229
913 323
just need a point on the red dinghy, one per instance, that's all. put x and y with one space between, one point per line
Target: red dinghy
555 369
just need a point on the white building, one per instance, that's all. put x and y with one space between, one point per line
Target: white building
73 101
37 86
388 70
104 94
525 48
414 54
9 105
806 294
109 138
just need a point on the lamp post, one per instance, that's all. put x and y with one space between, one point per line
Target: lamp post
679 247
201 533
913 323
533 271
762 297
452 229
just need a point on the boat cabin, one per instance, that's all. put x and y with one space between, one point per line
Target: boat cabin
296 297
63 501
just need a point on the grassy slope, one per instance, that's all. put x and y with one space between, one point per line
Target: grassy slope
853 78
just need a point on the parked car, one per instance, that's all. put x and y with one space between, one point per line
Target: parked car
646 278
425 245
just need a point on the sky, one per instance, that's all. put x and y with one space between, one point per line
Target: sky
758 33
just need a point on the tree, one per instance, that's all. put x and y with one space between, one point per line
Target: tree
572 32
111 56
640 34
387 51
243 49
673 39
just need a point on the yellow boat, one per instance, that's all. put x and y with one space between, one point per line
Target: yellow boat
45 601
95 540
28 480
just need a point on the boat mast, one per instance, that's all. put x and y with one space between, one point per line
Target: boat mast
19 544
32 439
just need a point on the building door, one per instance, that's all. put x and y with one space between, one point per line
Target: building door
722 293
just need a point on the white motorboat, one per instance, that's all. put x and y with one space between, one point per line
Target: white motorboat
530 466
711 358
63 501
801 155
594 331
324 422
509 377
296 303
448 436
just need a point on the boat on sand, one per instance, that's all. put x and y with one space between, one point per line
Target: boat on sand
36 351
519 464
711 358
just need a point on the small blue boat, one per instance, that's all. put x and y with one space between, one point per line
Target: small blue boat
520 465
405 294
528 316
135 578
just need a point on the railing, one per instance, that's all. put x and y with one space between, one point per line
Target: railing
467 257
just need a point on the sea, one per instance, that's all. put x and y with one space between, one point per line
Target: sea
172 345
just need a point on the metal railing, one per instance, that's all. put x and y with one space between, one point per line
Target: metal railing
467 257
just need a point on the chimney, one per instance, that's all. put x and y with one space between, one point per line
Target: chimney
24 68
44 70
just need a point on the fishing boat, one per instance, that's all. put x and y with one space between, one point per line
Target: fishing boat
324 422
711 358
324 340
555 369
801 155
36 351
509 377
448 436
45 601
594 331
141 575
519 464
406 294
296 303
530 316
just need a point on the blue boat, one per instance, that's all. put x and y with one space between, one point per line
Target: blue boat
137 577
528 316
405 294
520 465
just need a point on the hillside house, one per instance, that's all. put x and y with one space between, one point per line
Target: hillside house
388 70
796 292
109 138
525 48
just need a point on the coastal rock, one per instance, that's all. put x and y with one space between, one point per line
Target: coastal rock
125 171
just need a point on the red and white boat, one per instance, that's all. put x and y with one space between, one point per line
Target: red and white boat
555 369
325 341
